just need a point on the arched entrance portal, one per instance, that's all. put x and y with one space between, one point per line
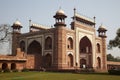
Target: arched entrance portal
98 63
85 50
13 66
70 60
4 66
35 49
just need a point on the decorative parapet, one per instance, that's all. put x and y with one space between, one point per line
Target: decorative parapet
37 27
84 19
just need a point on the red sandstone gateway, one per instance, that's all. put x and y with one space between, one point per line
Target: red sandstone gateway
58 47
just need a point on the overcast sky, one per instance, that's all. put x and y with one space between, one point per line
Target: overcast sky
107 12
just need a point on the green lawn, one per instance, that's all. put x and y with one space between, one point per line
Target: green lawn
55 76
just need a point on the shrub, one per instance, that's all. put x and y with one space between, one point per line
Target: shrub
114 72
87 70
7 70
25 70
14 70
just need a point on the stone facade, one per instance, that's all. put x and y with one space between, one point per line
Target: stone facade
60 47
13 62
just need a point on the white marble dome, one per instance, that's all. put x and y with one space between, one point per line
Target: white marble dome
60 11
17 23
102 27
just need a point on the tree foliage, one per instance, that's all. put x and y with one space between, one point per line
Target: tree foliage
112 58
116 41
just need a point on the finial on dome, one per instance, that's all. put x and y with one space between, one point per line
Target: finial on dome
59 7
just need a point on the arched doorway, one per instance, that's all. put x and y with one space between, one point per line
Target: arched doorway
13 66
98 63
4 66
34 48
70 60
47 60
85 49
82 63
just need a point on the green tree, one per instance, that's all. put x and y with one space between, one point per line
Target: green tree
110 57
116 41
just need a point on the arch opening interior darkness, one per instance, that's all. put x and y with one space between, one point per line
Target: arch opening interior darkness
85 45
13 66
34 48
4 66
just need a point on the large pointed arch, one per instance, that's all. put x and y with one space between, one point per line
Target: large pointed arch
85 45
34 48
85 48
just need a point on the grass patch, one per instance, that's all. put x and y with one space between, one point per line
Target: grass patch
56 76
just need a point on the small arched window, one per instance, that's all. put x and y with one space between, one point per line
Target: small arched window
4 66
48 43
98 48
70 43
13 66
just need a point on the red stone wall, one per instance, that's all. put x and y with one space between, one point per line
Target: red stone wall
34 61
